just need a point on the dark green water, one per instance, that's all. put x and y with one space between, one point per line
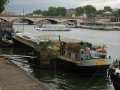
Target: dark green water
63 80
58 79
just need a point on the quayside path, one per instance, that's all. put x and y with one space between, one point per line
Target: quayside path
14 78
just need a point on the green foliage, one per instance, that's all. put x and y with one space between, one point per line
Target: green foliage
100 12
41 49
118 12
2 4
45 13
53 11
37 11
90 10
61 11
108 8
79 11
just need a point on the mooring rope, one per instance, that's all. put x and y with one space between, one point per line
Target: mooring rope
86 86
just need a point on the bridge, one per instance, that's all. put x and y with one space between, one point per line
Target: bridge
47 19
39 19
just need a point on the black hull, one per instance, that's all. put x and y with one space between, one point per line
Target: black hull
116 80
19 44
85 70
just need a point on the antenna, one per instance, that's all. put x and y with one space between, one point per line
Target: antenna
59 38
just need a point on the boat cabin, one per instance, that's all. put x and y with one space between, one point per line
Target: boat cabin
82 51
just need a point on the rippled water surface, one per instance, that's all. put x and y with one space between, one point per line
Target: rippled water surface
60 80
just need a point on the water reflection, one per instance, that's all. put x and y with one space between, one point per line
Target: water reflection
61 80
58 79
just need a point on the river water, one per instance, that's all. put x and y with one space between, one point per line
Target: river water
60 80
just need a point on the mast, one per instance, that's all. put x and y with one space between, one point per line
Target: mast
23 22
84 14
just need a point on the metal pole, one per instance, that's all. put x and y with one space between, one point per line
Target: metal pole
23 22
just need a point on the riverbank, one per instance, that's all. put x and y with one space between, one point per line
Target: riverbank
14 78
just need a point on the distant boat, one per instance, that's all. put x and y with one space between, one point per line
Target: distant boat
116 27
114 73
19 23
52 27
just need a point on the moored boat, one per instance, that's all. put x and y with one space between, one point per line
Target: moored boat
87 58
6 32
7 41
114 73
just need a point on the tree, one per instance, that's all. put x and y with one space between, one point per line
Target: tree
45 13
37 11
79 10
100 12
90 10
2 4
52 11
108 8
115 13
60 11
118 12
55 11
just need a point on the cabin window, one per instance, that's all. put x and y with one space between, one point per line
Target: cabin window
69 54
64 52
76 56
81 58
102 56
82 52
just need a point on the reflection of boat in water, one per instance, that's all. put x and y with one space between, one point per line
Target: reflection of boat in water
114 73
52 27
86 57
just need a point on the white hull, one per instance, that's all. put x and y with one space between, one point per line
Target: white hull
53 29
88 63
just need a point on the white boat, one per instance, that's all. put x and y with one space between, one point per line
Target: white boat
52 27
116 27
6 41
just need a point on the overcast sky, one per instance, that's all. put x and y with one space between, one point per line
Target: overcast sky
30 5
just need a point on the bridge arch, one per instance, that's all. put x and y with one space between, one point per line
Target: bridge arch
30 22
2 19
70 22
48 21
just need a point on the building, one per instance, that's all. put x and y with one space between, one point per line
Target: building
71 13
107 14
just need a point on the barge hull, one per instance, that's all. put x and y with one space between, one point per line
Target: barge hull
87 70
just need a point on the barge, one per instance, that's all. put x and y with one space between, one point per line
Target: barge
83 56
